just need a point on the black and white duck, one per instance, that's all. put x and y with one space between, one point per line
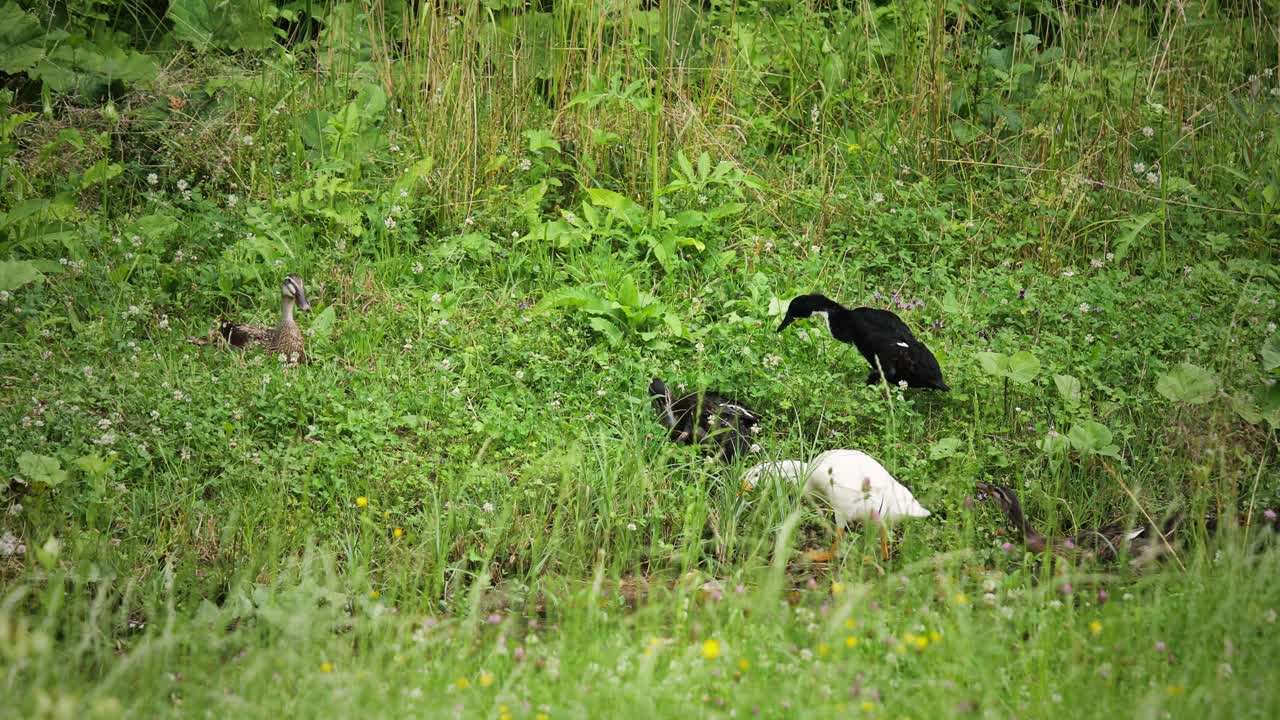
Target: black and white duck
283 339
880 336
706 418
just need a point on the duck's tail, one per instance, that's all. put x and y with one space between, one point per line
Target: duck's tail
793 470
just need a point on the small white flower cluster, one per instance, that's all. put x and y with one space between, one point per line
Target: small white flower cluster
10 545
771 361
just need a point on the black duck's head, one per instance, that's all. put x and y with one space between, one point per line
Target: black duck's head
804 306
292 288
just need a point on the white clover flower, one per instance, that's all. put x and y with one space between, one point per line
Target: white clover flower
435 298
469 221
390 222
182 186
1084 307
487 507
1148 131
1153 178
152 178
1139 168
877 198
247 139
525 164
417 267
519 374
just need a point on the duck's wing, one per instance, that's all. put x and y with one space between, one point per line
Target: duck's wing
882 337
238 335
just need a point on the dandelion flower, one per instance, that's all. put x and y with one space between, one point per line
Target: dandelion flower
837 588
486 678
711 649
961 599
462 683
851 642
868 706
1095 627
398 532
326 667
1175 690
362 501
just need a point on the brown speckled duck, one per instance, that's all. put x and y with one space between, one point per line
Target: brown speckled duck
283 339
1141 544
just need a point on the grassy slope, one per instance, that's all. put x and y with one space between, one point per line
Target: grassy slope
222 560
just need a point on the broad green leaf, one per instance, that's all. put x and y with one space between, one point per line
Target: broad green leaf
1023 367
322 325
100 172
628 295
609 199
1055 444
22 39
1271 352
93 464
944 448
16 273
41 469
996 364
605 327
1187 383
240 25
1089 437
541 140
1068 388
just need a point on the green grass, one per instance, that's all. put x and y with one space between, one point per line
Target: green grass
509 221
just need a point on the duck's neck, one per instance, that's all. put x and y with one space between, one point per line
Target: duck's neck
1019 520
286 312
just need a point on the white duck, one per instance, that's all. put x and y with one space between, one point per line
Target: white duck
854 484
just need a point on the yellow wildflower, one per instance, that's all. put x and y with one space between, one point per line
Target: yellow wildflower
853 147
711 649
462 683
851 623
1175 689
823 649
743 664
851 642
1095 627
867 706
837 588
375 594
934 636
961 599
486 678
542 716
398 532
362 501
922 642
326 667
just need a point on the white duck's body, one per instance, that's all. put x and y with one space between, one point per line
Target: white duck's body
854 484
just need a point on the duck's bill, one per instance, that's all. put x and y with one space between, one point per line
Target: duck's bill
302 298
